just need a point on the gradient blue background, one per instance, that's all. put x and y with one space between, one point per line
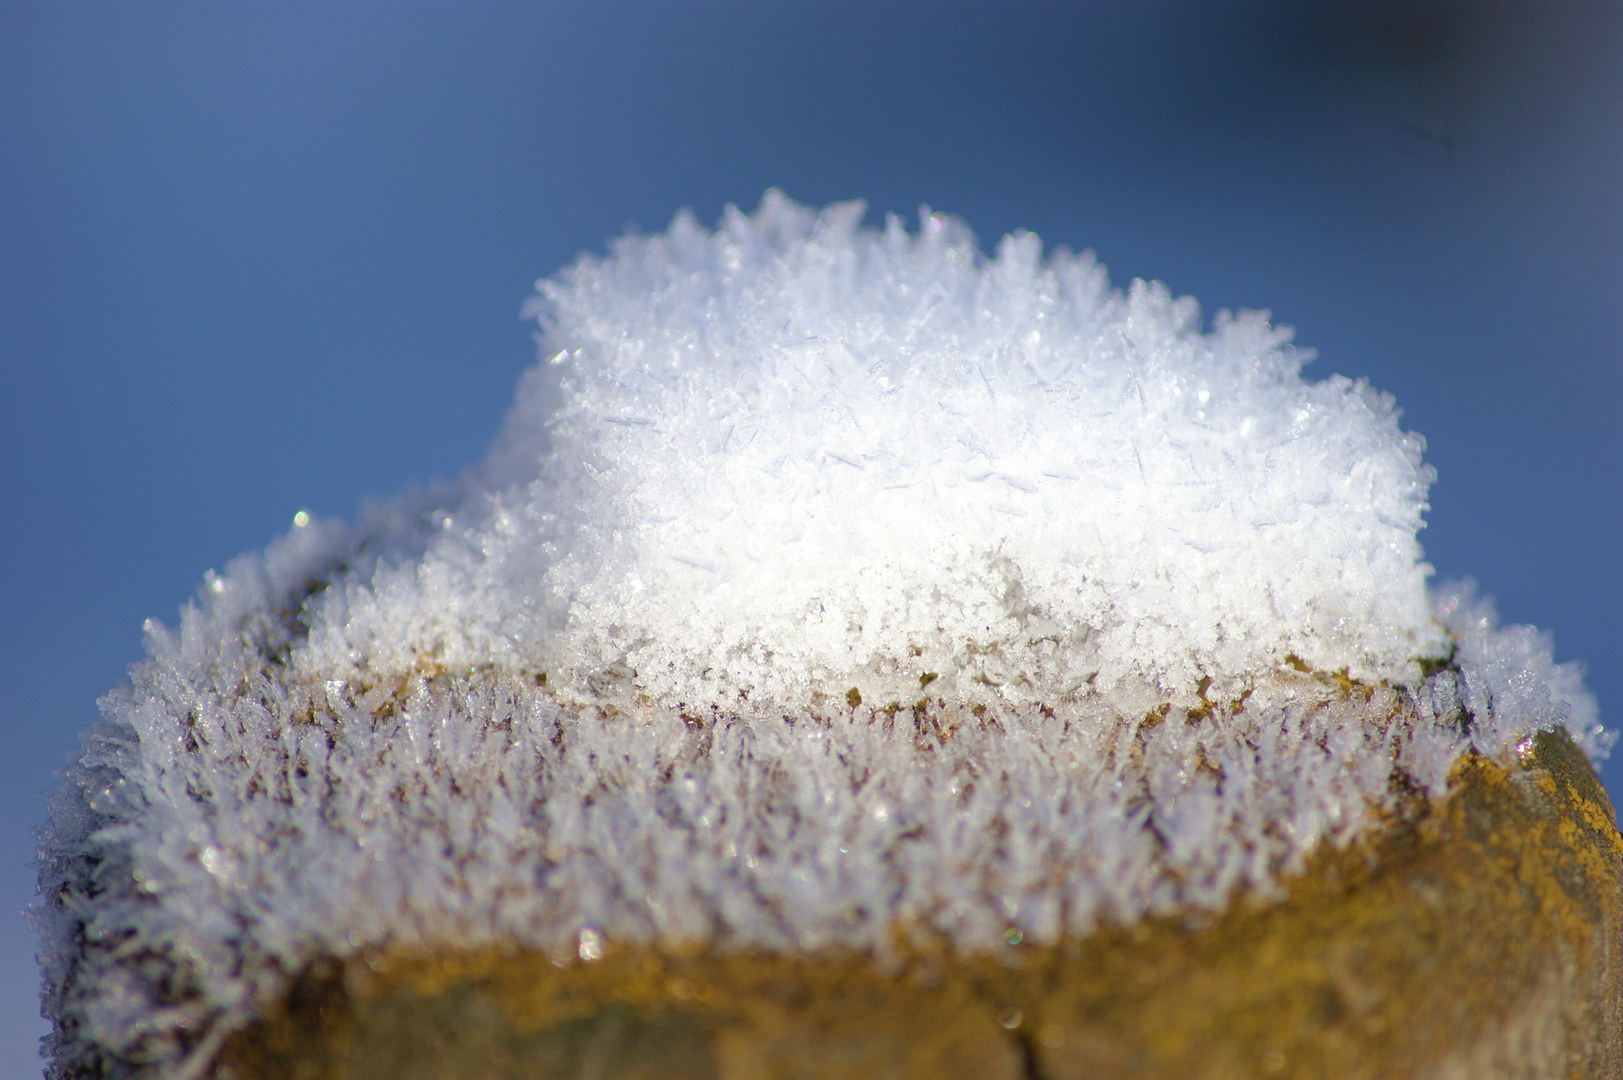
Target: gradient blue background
263 257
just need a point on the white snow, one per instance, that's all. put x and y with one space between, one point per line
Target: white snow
821 578
795 456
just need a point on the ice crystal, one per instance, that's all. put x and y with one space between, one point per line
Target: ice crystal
823 580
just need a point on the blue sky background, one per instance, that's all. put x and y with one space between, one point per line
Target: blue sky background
263 257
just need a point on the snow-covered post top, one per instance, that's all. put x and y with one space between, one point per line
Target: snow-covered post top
823 580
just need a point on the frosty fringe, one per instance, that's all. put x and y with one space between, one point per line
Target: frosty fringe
823 581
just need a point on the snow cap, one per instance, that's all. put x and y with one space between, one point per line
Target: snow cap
796 455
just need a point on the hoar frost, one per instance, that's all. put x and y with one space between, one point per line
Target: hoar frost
823 581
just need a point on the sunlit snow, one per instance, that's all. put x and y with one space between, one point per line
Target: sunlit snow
822 580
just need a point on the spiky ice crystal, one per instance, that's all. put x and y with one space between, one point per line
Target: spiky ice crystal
823 581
